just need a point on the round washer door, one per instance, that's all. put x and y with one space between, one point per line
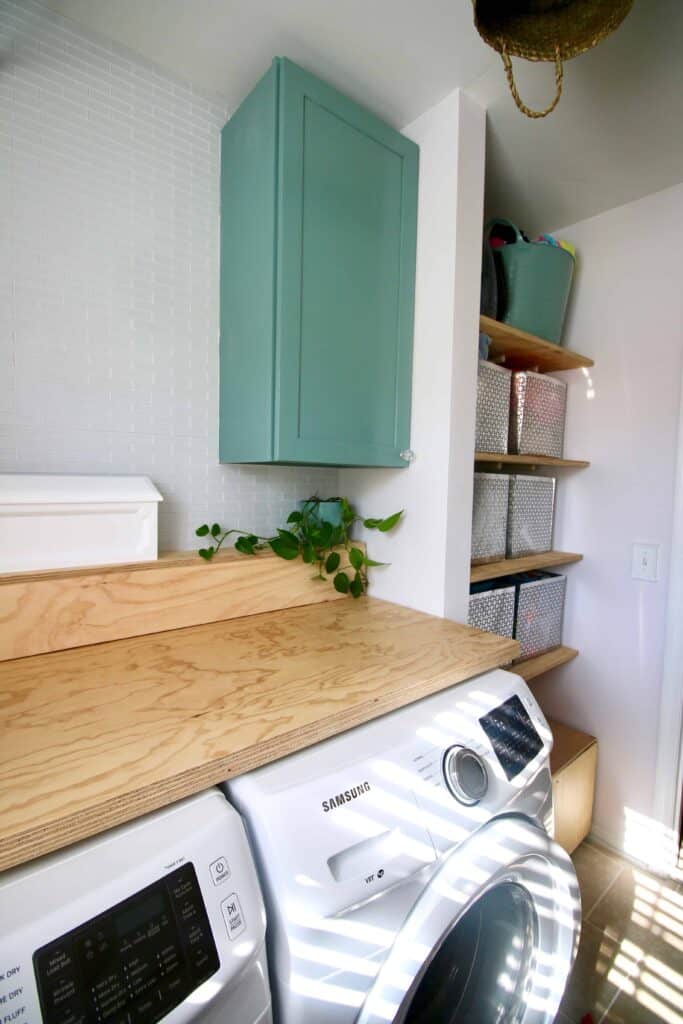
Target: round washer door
492 938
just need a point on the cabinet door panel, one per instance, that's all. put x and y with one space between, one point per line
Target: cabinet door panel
346 279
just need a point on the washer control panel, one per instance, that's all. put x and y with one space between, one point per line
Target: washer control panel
512 735
466 775
136 961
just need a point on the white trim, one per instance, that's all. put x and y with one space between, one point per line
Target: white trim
669 771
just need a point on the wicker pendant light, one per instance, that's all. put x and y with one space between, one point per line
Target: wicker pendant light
549 30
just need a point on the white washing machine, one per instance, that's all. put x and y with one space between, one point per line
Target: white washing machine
408 868
160 919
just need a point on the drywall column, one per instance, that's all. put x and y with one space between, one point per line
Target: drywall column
429 551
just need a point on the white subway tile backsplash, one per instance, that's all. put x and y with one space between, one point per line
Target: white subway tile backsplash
109 282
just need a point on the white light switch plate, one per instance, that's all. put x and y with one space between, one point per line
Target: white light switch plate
645 565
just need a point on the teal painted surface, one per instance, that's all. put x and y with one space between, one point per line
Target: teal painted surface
247 279
345 203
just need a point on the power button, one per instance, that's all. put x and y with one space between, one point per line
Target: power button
219 870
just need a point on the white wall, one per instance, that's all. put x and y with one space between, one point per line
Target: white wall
627 313
429 552
109 207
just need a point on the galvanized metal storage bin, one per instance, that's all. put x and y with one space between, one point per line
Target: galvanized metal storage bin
537 413
530 515
493 408
492 608
540 610
489 516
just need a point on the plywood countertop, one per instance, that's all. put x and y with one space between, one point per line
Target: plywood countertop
94 737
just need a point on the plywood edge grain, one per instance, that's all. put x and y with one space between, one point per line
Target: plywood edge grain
220 699
62 609
530 668
511 566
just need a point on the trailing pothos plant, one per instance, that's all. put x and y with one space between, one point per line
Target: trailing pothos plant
310 537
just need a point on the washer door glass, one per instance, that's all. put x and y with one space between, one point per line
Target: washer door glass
480 973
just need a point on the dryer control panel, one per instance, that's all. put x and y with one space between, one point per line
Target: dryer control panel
159 919
138 960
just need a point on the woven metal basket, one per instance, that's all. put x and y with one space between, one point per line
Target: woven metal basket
531 508
492 608
493 408
489 516
540 611
538 405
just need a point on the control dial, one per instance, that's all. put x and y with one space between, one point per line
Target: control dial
466 775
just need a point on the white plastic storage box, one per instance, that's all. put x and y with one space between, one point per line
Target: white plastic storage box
530 515
538 406
540 611
56 522
493 408
489 516
492 607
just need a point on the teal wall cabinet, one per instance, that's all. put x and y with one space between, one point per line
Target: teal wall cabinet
318 235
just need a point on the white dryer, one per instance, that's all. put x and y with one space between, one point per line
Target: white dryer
160 919
408 868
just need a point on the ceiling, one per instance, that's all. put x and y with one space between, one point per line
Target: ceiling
616 136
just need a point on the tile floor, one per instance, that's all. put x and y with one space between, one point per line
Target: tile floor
629 968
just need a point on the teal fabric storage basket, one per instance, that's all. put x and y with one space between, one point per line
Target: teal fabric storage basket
537 280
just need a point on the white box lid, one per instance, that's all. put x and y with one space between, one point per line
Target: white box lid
65 489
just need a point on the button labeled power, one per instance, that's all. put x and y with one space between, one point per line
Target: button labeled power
219 870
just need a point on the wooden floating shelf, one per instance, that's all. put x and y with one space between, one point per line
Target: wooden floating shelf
540 663
510 566
521 351
530 460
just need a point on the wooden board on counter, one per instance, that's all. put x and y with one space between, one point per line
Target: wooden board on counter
95 737
62 608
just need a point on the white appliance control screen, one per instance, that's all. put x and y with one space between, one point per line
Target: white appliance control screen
135 962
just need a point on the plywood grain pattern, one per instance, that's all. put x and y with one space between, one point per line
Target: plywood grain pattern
95 737
52 611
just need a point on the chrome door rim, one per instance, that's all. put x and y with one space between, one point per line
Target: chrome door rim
507 849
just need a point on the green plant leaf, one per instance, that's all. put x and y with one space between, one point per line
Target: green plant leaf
202 531
325 534
215 529
294 517
332 563
283 549
308 554
390 522
356 585
371 524
347 511
356 558
289 538
207 553
245 545
370 562
341 583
